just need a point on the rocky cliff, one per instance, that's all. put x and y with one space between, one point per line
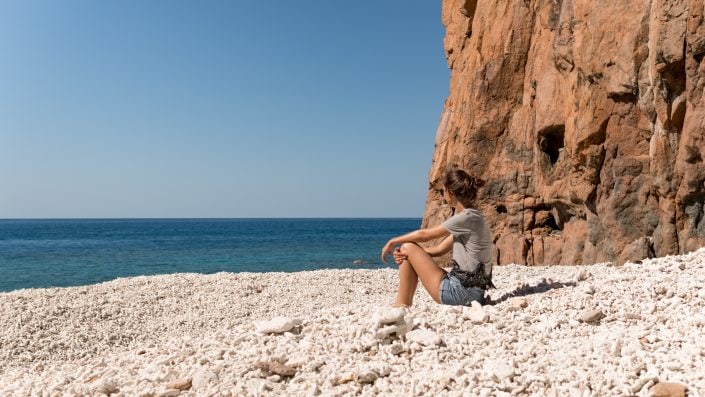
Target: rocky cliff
586 119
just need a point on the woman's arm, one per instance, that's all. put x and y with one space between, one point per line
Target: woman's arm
441 248
417 236
437 250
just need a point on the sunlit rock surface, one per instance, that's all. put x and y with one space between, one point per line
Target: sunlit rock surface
586 119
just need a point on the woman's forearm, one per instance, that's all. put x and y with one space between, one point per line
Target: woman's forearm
435 251
441 248
432 251
417 236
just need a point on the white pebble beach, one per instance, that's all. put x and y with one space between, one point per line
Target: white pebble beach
592 330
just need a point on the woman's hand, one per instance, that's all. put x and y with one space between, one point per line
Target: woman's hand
386 250
398 256
417 236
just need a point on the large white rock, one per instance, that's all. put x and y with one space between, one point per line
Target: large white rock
383 332
516 304
380 368
256 387
277 325
499 370
592 316
388 315
424 337
366 376
203 379
106 387
391 321
476 314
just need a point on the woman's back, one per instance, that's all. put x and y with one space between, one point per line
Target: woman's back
472 240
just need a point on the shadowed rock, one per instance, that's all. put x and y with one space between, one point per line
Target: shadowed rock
276 368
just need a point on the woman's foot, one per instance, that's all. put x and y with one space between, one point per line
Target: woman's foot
404 305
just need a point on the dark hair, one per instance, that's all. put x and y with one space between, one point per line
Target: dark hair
463 186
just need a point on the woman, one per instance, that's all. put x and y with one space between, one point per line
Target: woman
466 233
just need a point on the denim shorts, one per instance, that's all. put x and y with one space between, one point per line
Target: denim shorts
453 292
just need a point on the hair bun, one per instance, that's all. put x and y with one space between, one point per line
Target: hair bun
462 185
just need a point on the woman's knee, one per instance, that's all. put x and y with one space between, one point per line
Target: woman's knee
408 248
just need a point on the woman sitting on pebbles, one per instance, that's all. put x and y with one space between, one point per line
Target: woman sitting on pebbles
466 233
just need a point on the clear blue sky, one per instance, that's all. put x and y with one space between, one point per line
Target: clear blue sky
218 108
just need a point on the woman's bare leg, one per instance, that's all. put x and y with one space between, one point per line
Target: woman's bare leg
408 280
418 265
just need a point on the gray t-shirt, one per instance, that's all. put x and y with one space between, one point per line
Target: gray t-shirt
472 240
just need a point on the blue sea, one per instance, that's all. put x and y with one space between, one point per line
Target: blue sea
60 253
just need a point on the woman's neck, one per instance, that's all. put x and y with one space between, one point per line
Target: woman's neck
459 207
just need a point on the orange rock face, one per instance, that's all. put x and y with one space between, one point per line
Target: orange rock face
586 119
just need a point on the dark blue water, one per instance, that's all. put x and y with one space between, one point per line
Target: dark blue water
58 253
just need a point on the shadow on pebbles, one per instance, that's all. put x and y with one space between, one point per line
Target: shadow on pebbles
597 330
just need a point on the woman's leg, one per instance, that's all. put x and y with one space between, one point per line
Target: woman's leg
418 265
408 280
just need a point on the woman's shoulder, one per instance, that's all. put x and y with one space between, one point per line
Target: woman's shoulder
472 213
474 217
465 217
